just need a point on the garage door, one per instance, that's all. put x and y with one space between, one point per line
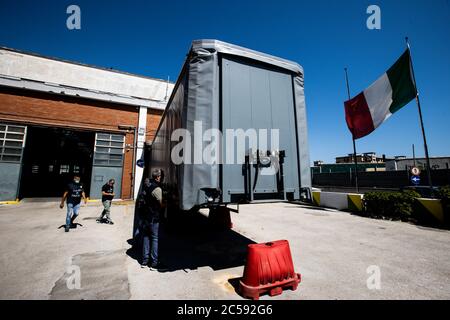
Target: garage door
108 162
12 142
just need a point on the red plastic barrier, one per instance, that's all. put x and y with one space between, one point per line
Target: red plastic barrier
269 269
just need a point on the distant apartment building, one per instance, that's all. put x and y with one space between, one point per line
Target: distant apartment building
368 157
368 161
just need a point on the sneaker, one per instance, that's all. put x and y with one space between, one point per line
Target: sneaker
159 267
66 229
144 265
109 222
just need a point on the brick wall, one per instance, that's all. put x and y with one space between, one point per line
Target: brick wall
127 174
24 106
153 119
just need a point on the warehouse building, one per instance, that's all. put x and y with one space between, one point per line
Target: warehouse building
60 118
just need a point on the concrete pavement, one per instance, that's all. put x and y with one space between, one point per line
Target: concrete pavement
332 250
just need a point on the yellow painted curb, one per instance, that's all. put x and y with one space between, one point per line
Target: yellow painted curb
316 198
433 206
117 202
17 201
123 202
355 202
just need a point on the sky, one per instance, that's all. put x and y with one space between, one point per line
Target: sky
152 38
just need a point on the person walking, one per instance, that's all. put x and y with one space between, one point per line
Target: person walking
150 214
107 196
73 195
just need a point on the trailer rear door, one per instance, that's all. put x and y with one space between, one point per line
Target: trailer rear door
255 96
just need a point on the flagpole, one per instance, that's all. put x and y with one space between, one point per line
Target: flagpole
353 138
425 145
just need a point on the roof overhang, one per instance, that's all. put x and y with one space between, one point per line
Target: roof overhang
30 71
54 88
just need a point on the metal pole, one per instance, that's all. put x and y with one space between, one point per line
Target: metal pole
353 138
167 88
425 145
414 156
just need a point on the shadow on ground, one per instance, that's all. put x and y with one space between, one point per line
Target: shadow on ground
193 242
308 206
72 226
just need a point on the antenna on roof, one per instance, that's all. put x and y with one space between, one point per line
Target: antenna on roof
167 88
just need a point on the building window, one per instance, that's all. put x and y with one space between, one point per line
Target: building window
64 168
35 169
12 142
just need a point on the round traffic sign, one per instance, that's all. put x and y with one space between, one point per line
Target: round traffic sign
415 171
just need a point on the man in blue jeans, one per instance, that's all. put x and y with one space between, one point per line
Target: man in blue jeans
149 214
73 194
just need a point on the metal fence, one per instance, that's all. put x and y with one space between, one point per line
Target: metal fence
379 179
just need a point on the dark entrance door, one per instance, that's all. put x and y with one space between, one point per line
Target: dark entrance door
51 158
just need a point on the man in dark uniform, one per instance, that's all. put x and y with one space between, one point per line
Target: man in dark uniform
149 214
107 196
73 194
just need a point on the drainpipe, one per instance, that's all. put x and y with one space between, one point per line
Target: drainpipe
133 174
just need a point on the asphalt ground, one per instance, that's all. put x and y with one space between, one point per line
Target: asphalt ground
339 255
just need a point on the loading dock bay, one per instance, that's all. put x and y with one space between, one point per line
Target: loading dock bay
39 161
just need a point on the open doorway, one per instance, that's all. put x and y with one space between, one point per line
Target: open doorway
51 157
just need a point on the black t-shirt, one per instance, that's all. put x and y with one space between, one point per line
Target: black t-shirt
108 189
151 207
74 192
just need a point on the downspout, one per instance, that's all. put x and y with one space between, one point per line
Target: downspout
133 174
131 129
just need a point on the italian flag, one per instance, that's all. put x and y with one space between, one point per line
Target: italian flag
393 90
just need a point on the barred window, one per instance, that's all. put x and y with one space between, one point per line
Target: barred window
64 168
109 149
12 142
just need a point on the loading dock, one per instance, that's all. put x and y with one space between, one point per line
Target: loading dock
52 156
39 161
59 118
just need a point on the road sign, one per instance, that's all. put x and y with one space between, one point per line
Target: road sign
415 171
415 180
140 163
